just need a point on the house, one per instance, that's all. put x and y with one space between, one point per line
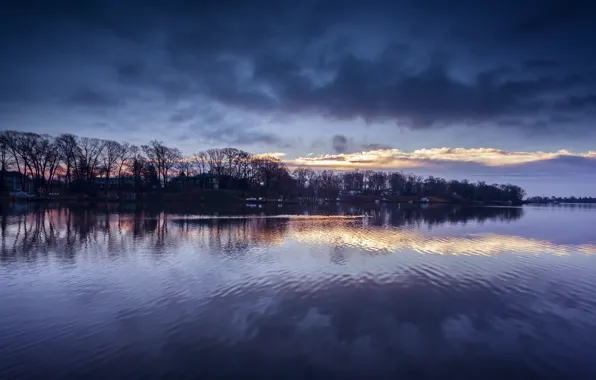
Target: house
205 181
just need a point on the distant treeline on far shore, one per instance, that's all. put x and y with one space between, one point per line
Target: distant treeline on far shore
561 200
70 164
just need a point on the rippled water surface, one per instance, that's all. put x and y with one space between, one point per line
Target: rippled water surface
110 292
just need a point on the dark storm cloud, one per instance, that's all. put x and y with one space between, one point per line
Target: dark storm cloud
238 136
130 72
340 143
418 64
215 126
92 98
578 103
540 63
549 15
375 90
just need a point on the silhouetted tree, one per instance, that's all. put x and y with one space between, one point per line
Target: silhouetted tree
69 149
162 158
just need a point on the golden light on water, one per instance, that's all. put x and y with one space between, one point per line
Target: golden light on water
61 230
385 240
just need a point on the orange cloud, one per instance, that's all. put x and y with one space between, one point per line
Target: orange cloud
279 155
397 159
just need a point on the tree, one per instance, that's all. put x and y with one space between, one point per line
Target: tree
199 161
184 166
377 181
137 166
90 151
162 158
396 182
269 172
40 157
150 175
216 161
68 147
125 153
229 161
302 176
11 139
109 158
328 184
6 160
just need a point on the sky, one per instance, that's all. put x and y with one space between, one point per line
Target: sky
500 91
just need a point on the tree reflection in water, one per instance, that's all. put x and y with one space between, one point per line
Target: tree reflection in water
36 232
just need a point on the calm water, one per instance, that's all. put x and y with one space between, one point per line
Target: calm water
140 293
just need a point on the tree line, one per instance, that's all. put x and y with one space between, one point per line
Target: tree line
74 163
561 199
328 183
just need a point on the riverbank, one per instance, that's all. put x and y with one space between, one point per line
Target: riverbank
224 197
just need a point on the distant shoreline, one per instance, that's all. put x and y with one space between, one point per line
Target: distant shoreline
238 201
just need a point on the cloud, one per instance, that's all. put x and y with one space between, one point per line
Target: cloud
397 159
376 89
92 98
540 63
550 15
229 135
413 65
578 103
553 173
374 146
279 155
339 143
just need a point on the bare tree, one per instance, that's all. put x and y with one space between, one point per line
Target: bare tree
242 169
6 160
242 164
378 181
171 157
40 155
200 162
301 175
22 146
229 158
52 162
68 147
24 149
124 155
328 183
216 161
109 158
396 182
269 172
185 166
90 152
163 158
136 166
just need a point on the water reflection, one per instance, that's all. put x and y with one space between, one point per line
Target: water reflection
139 291
65 232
